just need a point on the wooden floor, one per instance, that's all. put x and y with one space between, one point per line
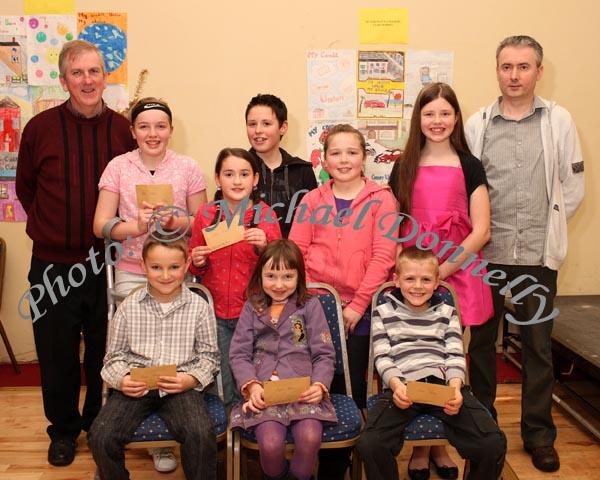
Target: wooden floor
24 444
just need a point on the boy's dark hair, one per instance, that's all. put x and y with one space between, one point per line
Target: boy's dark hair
284 254
415 254
169 240
268 100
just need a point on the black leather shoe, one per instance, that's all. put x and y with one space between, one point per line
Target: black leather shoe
61 452
544 458
445 472
418 473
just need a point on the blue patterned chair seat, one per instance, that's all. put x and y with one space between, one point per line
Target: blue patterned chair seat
349 423
154 428
423 427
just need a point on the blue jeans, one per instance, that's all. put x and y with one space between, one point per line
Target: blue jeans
225 329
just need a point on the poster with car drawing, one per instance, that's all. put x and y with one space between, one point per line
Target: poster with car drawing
380 84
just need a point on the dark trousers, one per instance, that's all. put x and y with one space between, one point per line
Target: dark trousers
333 463
187 417
537 426
472 431
57 334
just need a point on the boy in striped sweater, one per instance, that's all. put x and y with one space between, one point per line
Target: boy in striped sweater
417 337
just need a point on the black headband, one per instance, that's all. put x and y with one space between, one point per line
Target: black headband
142 107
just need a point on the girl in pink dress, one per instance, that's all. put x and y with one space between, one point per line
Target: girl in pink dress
443 186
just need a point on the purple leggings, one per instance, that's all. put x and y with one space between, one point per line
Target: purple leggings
271 435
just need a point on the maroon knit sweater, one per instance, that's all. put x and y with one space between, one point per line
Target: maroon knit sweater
60 162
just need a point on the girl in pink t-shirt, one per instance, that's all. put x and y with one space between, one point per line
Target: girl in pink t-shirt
150 164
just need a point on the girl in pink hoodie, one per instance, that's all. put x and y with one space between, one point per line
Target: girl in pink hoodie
347 232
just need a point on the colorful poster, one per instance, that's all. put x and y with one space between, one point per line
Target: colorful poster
15 112
383 25
46 35
108 31
385 140
43 98
117 97
331 84
13 51
423 67
380 84
11 209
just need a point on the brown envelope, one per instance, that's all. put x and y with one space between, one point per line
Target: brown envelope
285 391
222 235
150 375
430 393
154 194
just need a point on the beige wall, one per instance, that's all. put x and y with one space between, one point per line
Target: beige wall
208 59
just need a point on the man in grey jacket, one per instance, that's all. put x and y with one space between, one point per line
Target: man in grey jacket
531 154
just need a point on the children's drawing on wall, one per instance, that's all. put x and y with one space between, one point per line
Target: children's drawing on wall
46 35
423 67
380 85
15 112
44 98
108 31
11 209
385 140
116 97
331 84
13 51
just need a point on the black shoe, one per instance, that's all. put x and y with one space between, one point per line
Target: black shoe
544 458
61 452
445 472
417 473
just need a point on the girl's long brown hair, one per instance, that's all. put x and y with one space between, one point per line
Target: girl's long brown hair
404 172
284 254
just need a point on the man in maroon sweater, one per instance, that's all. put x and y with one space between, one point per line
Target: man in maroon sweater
63 153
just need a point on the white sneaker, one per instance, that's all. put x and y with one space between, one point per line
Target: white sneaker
164 459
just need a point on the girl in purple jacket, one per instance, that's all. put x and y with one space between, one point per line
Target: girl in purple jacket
282 333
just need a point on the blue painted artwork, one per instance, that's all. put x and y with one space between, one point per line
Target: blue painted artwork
110 39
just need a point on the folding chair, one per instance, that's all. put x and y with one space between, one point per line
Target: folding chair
425 430
153 431
347 431
2 331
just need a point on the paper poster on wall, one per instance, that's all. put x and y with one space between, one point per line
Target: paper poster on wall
11 209
46 35
331 84
15 112
385 140
383 25
48 6
380 86
423 67
13 51
116 97
45 97
317 132
108 31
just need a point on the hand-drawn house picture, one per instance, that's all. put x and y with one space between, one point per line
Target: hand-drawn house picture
10 125
11 63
